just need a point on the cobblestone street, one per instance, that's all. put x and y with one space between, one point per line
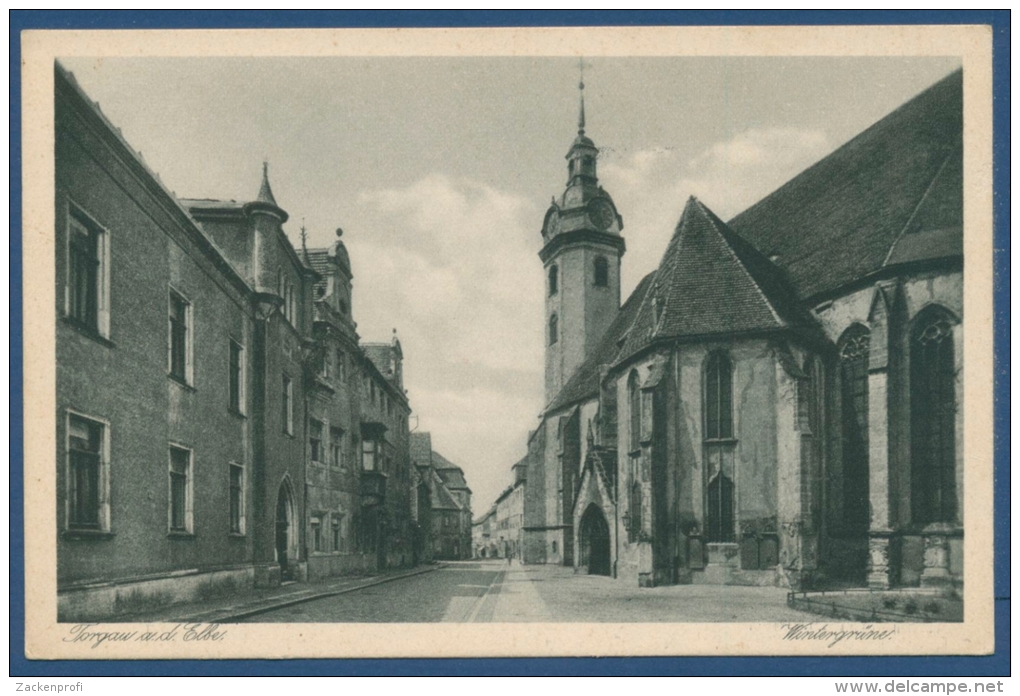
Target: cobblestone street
492 591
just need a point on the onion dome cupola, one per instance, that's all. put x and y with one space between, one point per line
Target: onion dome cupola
584 206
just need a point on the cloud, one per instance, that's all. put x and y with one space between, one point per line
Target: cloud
651 186
453 265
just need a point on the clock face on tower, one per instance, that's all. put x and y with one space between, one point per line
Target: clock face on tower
602 214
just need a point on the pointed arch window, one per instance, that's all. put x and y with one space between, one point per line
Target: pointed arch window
718 397
634 404
554 280
933 417
854 348
554 329
601 272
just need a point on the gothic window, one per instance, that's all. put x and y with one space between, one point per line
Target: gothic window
853 376
933 417
554 280
601 272
718 397
554 330
720 509
287 403
634 403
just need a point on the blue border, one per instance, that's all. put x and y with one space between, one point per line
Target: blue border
997 664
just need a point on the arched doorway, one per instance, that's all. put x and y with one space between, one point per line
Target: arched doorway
286 531
595 542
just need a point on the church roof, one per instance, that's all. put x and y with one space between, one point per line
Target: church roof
710 281
584 383
893 194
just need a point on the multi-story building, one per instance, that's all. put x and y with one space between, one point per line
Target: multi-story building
449 497
482 539
203 444
779 402
509 516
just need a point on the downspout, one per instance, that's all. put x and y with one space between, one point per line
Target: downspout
260 517
616 511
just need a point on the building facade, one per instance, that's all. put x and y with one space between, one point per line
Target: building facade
450 500
778 403
482 537
216 426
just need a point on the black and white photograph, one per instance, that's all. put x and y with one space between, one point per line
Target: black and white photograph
541 339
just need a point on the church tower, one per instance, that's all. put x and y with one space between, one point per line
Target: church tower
581 254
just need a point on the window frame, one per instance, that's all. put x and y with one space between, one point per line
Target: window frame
315 448
287 414
714 392
189 492
337 453
936 501
100 324
240 407
103 511
337 536
187 378
856 488
370 446
241 490
315 532
600 272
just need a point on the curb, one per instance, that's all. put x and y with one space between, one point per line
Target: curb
255 611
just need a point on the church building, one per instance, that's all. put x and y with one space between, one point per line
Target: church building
778 402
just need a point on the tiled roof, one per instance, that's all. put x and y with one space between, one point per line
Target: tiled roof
453 475
379 354
855 211
442 499
199 204
710 282
421 448
584 382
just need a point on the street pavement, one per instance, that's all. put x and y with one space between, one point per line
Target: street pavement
493 591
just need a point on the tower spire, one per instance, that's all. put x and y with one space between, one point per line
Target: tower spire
580 87
265 192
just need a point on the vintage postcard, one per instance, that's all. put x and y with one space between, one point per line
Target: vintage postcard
508 342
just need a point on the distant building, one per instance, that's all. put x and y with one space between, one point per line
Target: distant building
483 544
777 403
450 499
509 523
219 426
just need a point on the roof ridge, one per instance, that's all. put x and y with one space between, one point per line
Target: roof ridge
924 197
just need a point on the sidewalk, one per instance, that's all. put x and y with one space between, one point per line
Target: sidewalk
261 600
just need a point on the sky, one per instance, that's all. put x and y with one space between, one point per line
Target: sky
439 171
